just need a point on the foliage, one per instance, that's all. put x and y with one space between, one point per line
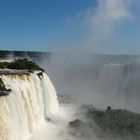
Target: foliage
20 64
110 123
116 121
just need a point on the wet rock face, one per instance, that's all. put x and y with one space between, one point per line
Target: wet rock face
76 123
3 90
108 123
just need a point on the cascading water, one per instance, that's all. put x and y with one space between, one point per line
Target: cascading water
119 79
32 99
111 79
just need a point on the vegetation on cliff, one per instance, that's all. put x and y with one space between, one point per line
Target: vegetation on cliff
21 64
109 123
116 121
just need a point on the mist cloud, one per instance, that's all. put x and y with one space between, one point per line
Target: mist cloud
101 23
104 21
110 12
74 70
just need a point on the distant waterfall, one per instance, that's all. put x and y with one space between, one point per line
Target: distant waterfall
111 79
119 79
32 99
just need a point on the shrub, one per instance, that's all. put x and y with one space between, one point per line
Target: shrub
20 64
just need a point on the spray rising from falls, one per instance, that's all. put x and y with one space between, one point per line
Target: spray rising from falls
33 98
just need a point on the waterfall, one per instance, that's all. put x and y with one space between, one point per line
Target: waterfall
119 79
32 99
111 79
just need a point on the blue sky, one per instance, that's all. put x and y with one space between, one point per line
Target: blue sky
39 25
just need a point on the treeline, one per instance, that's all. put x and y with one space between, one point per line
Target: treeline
34 55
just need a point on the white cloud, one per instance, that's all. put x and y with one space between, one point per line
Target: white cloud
103 22
110 12
107 12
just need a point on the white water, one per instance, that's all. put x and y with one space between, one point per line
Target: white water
119 85
111 79
59 129
24 111
119 79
